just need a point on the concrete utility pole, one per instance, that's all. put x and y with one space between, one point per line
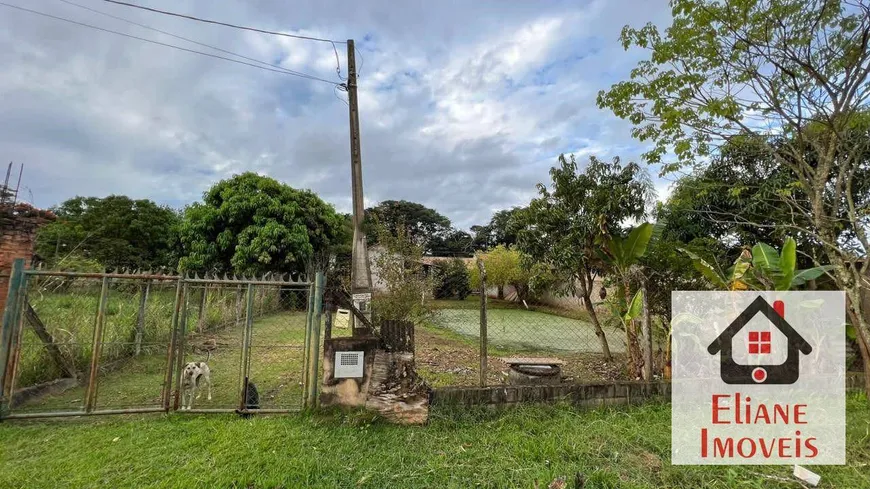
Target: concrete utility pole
360 271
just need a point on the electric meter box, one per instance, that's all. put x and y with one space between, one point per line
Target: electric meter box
348 364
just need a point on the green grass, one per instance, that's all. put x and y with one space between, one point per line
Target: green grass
613 448
473 302
69 315
527 329
136 382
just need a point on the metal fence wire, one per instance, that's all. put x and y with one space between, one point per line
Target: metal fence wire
449 341
80 343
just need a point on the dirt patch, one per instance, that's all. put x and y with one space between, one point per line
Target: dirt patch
444 359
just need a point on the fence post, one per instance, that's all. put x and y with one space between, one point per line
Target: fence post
170 355
182 329
18 330
314 354
483 353
10 316
96 347
306 349
244 369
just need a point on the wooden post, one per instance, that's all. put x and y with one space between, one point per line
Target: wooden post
65 364
96 347
646 332
182 333
327 327
483 350
170 355
140 319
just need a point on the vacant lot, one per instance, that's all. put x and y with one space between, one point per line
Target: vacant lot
523 329
448 345
622 448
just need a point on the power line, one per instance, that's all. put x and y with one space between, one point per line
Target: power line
234 26
282 71
292 72
198 19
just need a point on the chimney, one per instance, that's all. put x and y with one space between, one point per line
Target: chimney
779 307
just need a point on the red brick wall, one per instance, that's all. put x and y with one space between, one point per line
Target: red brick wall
18 228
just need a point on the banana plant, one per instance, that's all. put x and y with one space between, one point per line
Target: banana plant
623 255
762 268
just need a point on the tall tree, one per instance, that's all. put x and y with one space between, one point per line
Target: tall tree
117 231
736 200
560 228
424 226
454 242
253 224
792 74
501 230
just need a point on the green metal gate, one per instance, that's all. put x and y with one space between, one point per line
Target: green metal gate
76 344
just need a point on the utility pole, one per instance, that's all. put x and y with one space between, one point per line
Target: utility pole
360 271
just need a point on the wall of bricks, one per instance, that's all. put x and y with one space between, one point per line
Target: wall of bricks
581 395
18 226
586 395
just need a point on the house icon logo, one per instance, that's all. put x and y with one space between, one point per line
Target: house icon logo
760 344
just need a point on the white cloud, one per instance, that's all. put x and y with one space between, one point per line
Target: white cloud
463 107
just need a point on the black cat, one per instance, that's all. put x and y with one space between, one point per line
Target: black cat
252 399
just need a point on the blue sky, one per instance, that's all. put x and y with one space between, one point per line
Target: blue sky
464 106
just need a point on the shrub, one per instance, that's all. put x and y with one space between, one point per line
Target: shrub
404 287
452 280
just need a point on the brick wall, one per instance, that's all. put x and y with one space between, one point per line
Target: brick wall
18 226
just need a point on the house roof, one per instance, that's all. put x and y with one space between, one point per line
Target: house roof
759 305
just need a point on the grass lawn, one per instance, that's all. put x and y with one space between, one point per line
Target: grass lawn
136 382
448 344
614 448
523 329
445 357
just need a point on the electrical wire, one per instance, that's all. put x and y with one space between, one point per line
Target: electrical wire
335 90
282 71
292 72
198 19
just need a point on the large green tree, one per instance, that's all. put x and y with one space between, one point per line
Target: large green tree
117 231
501 230
792 75
251 224
454 242
561 227
424 226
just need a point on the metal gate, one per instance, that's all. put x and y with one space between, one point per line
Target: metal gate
78 343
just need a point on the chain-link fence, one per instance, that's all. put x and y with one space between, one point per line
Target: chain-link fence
449 351
105 343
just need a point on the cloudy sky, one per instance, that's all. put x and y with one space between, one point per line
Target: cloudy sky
464 106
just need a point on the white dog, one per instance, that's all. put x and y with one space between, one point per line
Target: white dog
196 375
